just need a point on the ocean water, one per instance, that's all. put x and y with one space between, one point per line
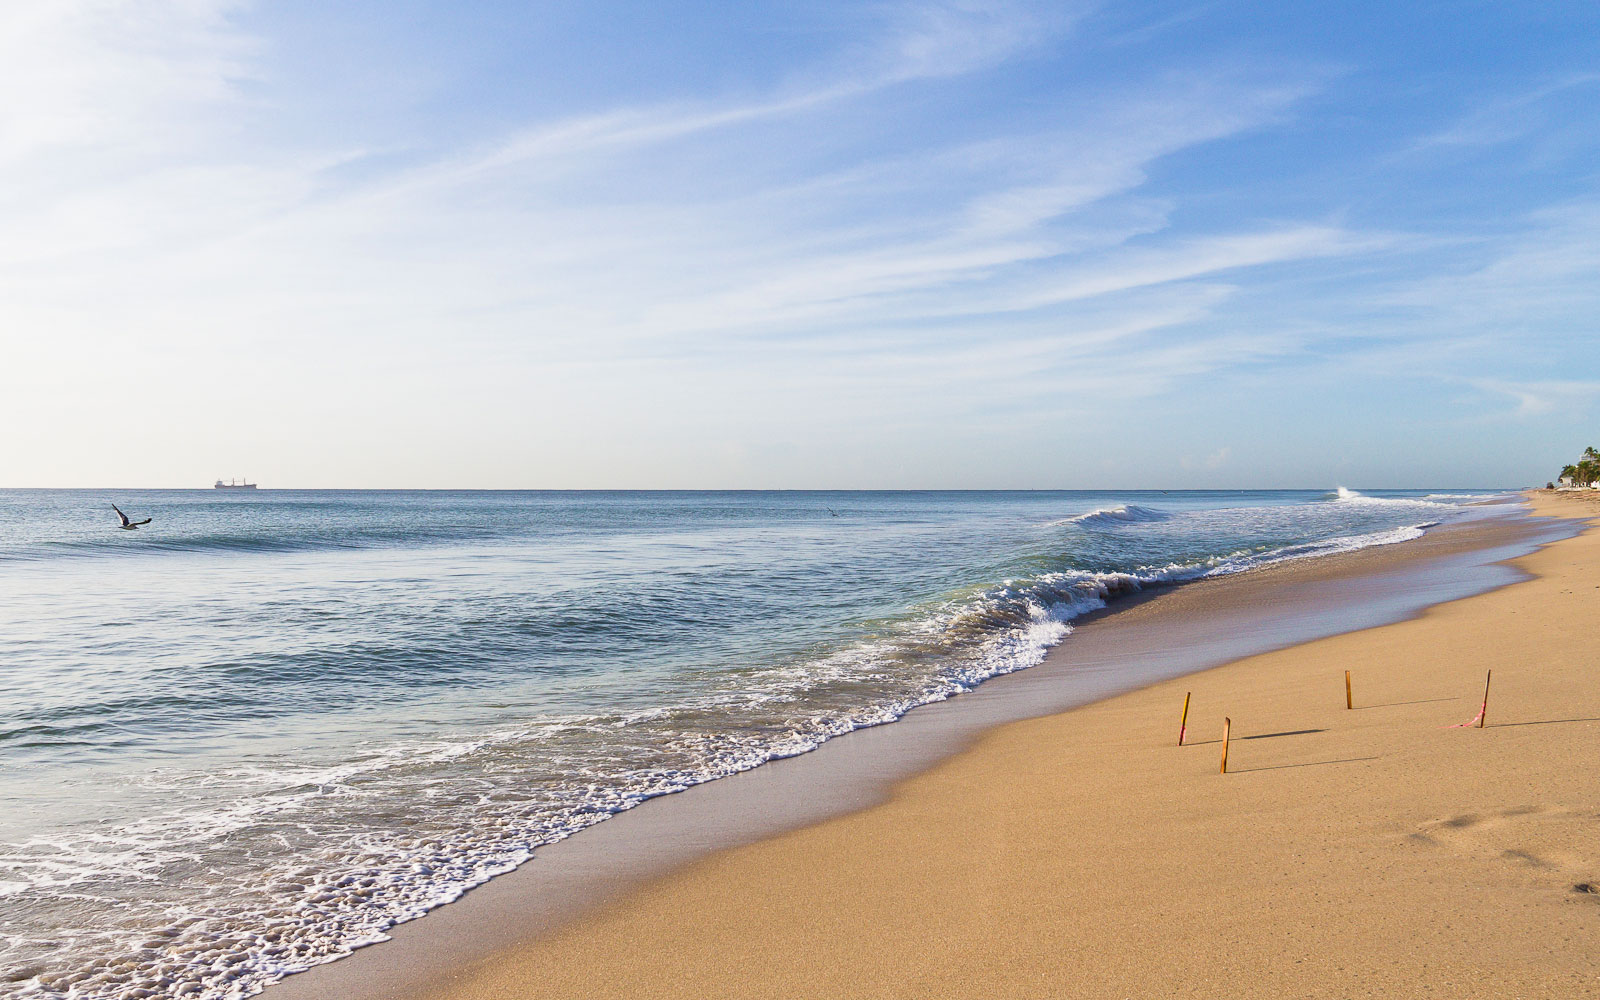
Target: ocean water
253 735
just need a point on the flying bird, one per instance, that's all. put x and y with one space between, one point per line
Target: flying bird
833 512
127 524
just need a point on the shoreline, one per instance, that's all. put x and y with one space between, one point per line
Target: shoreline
1217 621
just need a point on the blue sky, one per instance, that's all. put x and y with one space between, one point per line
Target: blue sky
909 244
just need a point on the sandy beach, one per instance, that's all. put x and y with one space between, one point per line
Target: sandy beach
1371 852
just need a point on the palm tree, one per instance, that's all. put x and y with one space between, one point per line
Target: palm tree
1586 471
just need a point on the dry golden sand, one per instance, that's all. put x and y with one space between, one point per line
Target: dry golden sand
1366 853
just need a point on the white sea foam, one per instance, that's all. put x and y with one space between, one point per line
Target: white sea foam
1126 513
1353 499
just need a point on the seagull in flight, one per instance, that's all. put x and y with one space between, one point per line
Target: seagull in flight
127 524
833 512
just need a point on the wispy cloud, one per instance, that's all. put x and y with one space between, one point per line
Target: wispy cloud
600 232
889 228
1505 118
1215 460
1535 398
678 238
1540 279
91 74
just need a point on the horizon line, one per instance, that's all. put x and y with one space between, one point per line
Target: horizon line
768 489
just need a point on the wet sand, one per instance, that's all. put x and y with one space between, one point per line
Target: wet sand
1081 854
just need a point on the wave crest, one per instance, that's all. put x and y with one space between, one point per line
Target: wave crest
1345 495
1123 513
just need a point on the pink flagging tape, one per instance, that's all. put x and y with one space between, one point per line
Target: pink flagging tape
1181 731
1473 721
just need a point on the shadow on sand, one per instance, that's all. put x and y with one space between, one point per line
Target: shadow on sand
1539 722
1392 704
1259 736
1309 763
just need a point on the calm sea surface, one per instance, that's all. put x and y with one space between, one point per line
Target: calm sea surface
255 733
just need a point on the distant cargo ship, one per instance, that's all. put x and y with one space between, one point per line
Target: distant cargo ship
233 484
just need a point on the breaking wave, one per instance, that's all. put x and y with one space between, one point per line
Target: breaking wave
1126 513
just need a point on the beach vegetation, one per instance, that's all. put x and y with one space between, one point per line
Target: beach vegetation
1584 472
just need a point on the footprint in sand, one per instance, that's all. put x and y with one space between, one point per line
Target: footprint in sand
1556 844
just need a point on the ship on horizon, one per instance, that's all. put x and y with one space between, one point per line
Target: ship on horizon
233 484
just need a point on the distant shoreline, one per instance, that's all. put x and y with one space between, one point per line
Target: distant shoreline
753 489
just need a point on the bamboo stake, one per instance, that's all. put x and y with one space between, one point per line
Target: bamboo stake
1348 704
1226 724
1183 723
1483 713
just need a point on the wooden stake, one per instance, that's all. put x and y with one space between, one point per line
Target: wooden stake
1348 704
1183 723
1483 714
1226 723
